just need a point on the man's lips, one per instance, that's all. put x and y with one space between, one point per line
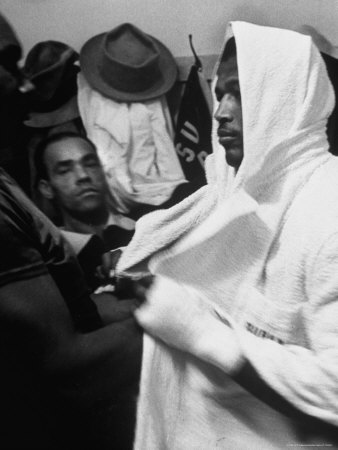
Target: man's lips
226 137
226 133
88 191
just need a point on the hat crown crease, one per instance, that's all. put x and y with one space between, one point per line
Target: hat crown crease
132 58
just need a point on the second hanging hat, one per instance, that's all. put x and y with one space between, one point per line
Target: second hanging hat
51 68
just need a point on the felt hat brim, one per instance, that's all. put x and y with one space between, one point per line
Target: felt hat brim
90 62
67 112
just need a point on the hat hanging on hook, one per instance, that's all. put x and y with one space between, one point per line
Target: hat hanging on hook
198 62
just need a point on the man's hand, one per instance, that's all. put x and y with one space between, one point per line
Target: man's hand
112 309
182 319
176 315
130 288
106 271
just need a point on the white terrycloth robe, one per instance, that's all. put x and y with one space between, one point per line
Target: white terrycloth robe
262 249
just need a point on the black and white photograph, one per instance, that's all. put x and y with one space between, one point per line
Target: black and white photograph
168 224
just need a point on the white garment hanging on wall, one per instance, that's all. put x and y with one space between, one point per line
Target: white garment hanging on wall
135 146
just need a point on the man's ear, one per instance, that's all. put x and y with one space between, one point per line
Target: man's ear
46 189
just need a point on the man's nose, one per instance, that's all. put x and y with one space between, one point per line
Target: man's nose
81 173
224 111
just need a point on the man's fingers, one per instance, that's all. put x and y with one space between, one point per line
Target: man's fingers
142 315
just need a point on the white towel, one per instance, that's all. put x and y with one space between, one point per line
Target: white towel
218 240
135 146
284 138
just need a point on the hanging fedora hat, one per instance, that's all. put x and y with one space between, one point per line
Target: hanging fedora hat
50 67
128 65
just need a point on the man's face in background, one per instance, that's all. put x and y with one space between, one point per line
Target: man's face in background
75 176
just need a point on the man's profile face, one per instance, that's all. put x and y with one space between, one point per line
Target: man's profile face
76 179
229 112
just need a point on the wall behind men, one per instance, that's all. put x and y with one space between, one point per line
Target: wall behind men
75 21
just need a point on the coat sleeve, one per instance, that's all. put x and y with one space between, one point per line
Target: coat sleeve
306 377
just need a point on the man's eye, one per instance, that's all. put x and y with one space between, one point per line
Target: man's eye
92 163
63 170
237 93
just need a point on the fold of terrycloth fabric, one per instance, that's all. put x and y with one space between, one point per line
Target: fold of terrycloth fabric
219 239
135 146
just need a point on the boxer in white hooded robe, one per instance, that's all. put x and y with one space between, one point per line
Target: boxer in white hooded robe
241 346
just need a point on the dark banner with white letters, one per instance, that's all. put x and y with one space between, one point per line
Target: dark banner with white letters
193 131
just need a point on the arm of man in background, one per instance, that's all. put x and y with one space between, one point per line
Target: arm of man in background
35 318
51 330
89 380
44 299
